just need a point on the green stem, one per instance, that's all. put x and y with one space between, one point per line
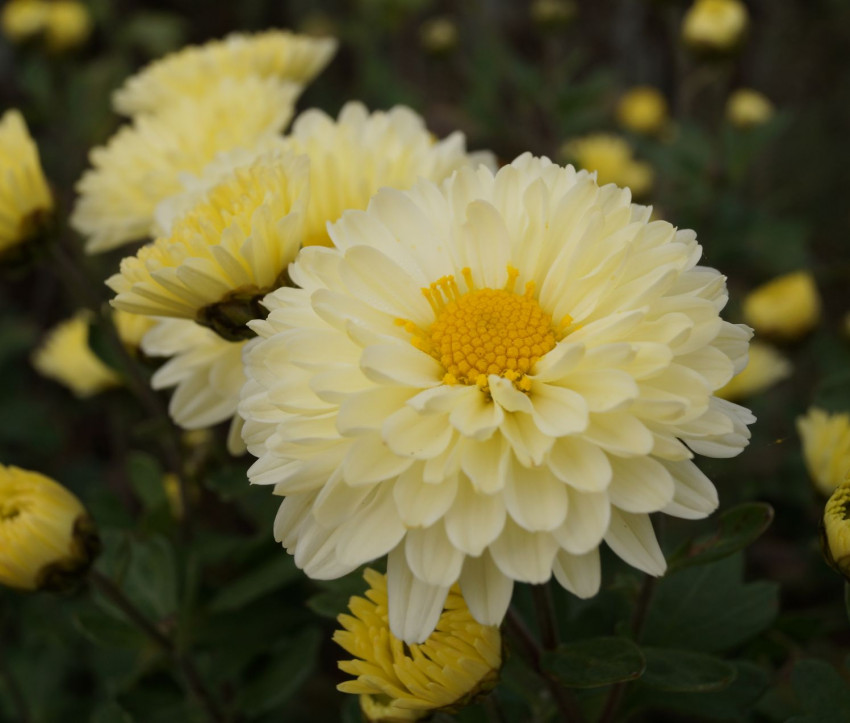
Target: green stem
18 699
546 619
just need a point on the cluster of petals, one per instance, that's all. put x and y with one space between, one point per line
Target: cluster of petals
378 449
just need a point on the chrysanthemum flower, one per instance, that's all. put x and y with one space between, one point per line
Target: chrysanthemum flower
395 681
612 158
835 533
46 537
826 447
715 24
766 367
786 307
485 379
67 26
22 20
207 371
192 71
643 109
25 199
747 108
66 357
142 163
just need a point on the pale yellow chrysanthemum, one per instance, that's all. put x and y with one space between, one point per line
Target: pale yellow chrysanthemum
485 379
207 371
354 156
25 199
66 357
67 26
786 307
22 20
826 447
459 660
748 108
131 328
643 109
143 162
715 24
192 71
612 158
46 537
835 534
765 367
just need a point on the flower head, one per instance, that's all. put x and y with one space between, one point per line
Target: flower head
66 357
439 35
142 164
25 199
748 108
459 660
786 307
835 533
193 71
613 160
22 20
715 24
485 379
68 25
765 367
47 539
643 109
826 447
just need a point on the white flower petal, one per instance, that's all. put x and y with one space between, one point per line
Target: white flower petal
580 574
580 464
486 590
474 520
558 411
400 364
414 606
431 556
586 524
411 434
640 484
535 499
420 504
633 539
373 529
695 496
522 555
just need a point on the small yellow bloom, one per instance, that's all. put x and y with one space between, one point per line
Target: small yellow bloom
715 24
643 109
22 20
826 447
613 160
131 328
748 108
786 307
835 533
765 367
47 540
398 682
25 199
438 35
553 13
68 25
65 357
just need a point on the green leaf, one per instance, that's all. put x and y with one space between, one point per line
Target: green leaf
107 631
822 693
146 477
272 575
709 608
594 662
685 672
111 712
737 528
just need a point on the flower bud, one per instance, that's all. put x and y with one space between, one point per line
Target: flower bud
438 35
22 20
748 108
613 160
716 25
765 367
551 14
68 25
643 109
47 539
835 532
786 307
826 447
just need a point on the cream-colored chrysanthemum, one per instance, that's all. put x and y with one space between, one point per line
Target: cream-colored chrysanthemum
131 328
66 357
190 72
612 158
484 380
143 162
748 108
354 156
715 24
47 539
224 254
643 109
766 367
786 307
207 371
25 199
826 447
460 659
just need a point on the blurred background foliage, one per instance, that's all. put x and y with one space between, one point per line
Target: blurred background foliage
764 201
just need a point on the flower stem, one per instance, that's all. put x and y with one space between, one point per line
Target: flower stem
183 662
546 619
15 692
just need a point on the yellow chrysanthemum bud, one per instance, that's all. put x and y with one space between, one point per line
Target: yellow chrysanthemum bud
438 35
715 24
47 540
613 160
553 13
25 199
398 682
786 307
131 328
748 108
643 109
68 25
835 533
22 20
65 357
826 447
765 367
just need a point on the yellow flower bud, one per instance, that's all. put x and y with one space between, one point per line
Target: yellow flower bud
786 307
553 13
65 357
748 108
835 533
613 160
68 25
47 540
715 24
765 367
643 109
438 35
826 447
22 20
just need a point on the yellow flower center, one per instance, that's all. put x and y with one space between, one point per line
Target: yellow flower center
485 331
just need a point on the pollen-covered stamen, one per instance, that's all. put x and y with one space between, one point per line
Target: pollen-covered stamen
485 331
